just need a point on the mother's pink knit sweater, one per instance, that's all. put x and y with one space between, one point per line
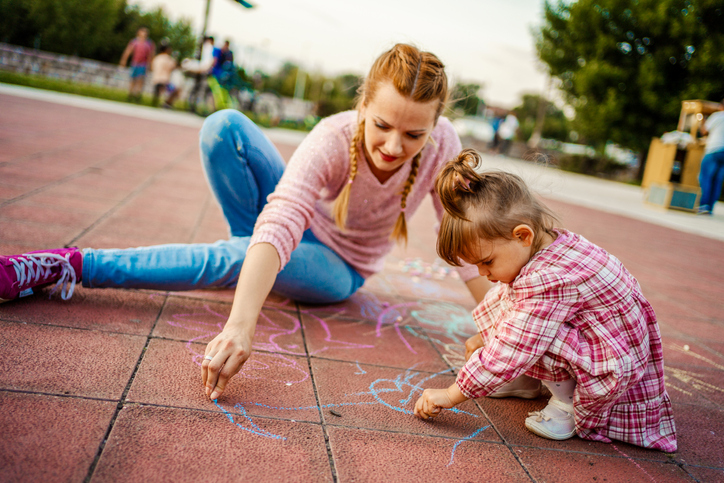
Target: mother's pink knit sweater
317 173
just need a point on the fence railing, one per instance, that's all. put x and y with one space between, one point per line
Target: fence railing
58 66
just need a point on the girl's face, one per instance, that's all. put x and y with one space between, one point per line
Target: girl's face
501 260
396 129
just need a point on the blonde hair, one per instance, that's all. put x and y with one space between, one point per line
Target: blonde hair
417 75
484 205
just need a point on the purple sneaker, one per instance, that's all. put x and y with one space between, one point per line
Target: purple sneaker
19 274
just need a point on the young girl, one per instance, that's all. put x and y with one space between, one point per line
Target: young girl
312 234
565 312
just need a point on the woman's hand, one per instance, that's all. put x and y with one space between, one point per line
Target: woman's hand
472 344
433 401
228 351
232 347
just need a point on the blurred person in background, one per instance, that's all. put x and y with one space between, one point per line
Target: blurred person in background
711 174
161 68
140 50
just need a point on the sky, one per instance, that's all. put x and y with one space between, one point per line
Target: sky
480 41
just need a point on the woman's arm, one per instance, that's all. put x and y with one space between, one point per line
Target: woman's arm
232 347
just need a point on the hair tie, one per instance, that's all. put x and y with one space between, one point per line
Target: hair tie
349 181
402 209
461 182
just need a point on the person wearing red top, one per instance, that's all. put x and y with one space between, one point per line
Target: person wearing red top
140 50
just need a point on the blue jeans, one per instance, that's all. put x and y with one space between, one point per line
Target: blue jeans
711 177
242 168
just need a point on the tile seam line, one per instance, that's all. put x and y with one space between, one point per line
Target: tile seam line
669 461
83 172
325 433
52 394
181 157
276 418
122 400
45 324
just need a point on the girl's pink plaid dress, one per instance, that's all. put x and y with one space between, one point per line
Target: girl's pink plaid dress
576 312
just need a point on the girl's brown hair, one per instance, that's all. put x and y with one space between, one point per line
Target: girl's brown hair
484 205
417 75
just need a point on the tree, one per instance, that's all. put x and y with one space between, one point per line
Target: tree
464 97
95 29
555 124
626 65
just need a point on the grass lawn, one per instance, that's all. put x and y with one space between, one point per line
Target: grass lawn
59 85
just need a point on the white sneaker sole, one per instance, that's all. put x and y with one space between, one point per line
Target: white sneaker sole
537 428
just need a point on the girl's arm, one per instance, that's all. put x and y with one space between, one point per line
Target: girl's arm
478 287
232 347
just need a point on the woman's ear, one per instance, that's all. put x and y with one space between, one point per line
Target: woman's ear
524 234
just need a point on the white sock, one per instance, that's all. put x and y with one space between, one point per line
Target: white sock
562 390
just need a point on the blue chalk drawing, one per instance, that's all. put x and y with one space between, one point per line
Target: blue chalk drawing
254 428
452 455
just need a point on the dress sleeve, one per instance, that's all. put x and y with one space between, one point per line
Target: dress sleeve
525 329
318 166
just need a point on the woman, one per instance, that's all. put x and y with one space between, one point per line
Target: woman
312 231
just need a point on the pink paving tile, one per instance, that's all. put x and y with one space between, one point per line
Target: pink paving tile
27 210
411 287
273 300
393 340
363 305
160 444
50 438
508 416
691 352
268 384
37 234
381 398
686 385
193 320
109 310
68 361
700 433
382 456
704 474
702 329
564 466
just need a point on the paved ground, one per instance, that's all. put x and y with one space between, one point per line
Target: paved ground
106 387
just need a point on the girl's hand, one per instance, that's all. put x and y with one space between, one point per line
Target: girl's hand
228 350
432 402
472 344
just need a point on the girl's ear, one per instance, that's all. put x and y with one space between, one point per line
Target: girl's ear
524 234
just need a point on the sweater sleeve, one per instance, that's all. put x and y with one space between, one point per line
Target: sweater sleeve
317 168
523 333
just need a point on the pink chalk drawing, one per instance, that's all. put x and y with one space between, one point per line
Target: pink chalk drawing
278 324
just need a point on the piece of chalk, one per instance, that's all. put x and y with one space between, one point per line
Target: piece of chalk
686 347
335 413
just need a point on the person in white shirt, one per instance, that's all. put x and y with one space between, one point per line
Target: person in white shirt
711 173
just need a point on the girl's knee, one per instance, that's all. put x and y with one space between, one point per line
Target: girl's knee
218 129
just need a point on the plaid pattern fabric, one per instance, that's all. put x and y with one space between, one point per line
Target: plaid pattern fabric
576 312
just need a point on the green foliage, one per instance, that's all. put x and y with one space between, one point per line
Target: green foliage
464 98
626 65
94 29
555 124
595 166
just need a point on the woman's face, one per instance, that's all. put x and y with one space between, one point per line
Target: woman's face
396 129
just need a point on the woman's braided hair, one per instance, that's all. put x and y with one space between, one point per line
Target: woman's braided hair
415 74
